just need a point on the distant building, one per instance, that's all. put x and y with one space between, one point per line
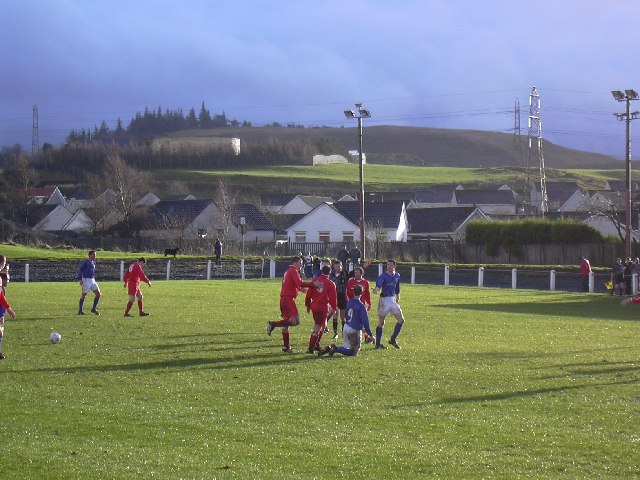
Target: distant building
195 144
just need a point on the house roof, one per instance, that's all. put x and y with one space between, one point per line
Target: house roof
37 213
484 197
405 197
383 214
435 196
42 192
185 210
255 219
313 201
437 219
559 186
81 195
276 199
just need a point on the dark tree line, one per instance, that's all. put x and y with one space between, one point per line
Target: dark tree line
151 123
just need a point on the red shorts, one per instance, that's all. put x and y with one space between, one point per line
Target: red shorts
320 318
133 289
288 308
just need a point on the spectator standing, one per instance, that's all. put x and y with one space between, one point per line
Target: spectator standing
628 273
217 249
343 256
339 278
585 270
308 265
355 255
617 278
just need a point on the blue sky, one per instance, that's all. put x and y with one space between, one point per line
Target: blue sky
435 63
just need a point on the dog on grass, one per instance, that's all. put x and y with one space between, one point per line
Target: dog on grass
171 251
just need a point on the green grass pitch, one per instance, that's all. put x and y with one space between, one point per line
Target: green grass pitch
489 384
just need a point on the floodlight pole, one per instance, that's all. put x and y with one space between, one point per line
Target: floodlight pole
361 113
626 97
361 199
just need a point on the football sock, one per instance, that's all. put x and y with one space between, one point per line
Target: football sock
320 334
140 309
345 351
280 323
129 305
335 326
285 338
378 335
80 304
396 331
1 342
95 303
313 340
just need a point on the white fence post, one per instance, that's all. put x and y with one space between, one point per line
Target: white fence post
481 276
242 268
168 269
122 270
413 275
634 284
272 269
591 282
208 269
26 273
379 269
514 278
446 275
552 280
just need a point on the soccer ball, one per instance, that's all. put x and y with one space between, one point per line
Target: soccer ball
55 337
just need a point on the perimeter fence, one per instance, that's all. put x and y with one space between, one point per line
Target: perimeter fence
258 268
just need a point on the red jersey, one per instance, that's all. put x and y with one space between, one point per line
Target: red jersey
321 295
135 274
292 283
366 296
3 301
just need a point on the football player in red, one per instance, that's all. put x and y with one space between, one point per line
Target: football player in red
132 278
291 285
358 279
321 300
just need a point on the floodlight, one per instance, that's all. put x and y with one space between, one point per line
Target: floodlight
350 114
631 94
364 113
618 95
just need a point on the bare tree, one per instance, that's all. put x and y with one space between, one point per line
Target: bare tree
226 200
128 184
23 178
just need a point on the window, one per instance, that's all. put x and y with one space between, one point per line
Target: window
301 237
348 238
324 237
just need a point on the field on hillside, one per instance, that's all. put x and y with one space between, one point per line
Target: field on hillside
345 178
488 384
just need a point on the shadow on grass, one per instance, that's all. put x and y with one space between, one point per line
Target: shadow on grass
521 393
584 307
273 358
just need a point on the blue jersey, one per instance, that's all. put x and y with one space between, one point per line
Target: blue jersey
357 316
389 285
87 269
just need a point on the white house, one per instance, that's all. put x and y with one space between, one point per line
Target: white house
48 218
301 204
323 224
438 222
340 223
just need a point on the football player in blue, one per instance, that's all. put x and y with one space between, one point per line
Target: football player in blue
388 284
357 320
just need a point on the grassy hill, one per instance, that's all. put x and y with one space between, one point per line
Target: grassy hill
424 146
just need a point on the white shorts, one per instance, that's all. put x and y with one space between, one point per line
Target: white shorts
351 339
388 305
89 284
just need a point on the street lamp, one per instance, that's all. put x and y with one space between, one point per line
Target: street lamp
360 114
626 97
